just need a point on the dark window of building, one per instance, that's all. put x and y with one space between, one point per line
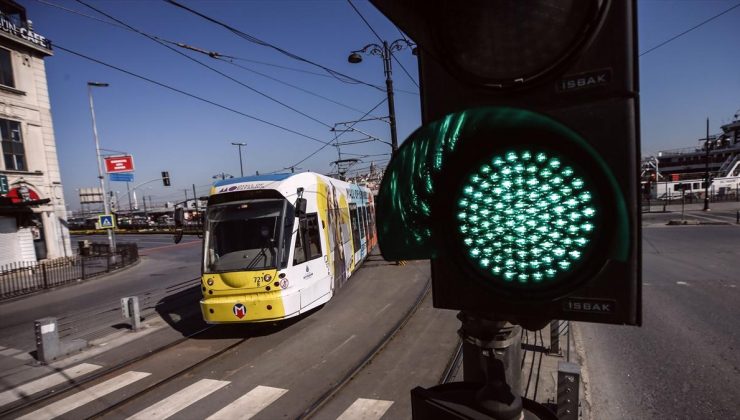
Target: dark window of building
13 152
6 69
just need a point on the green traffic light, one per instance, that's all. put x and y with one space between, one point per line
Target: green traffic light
526 216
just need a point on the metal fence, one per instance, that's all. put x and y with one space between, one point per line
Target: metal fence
659 205
21 278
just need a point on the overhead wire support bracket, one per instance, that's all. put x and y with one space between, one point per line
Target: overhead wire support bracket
370 136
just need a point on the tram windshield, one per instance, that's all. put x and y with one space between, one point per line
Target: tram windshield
245 235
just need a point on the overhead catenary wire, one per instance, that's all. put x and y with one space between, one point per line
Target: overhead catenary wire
381 41
690 29
77 12
213 54
207 66
174 89
291 85
219 56
336 137
340 76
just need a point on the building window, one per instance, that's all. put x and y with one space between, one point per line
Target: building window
13 151
6 69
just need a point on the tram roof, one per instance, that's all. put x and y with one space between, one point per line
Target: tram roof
271 177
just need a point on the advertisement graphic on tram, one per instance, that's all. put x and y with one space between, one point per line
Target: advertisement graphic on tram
279 245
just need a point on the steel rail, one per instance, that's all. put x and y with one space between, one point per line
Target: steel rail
374 352
54 392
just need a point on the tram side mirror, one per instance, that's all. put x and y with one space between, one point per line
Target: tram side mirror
300 207
179 217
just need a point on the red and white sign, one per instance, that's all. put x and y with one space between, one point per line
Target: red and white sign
115 164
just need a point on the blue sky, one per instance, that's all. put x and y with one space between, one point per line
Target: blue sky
682 83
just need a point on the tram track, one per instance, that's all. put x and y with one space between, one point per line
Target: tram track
168 379
219 353
372 354
30 401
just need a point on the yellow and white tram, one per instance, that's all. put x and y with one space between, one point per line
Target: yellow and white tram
279 245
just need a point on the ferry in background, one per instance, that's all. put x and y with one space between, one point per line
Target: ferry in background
678 172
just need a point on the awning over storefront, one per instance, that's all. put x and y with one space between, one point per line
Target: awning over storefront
20 200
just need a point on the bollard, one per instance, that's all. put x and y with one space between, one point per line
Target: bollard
130 311
48 346
569 379
737 217
555 337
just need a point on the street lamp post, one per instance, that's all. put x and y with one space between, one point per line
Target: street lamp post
386 53
241 168
106 206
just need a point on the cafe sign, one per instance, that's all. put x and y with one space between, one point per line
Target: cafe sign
24 33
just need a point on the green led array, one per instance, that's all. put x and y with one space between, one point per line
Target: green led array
526 217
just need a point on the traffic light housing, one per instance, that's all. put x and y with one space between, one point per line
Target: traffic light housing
521 186
166 178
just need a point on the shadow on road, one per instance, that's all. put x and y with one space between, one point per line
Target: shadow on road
375 260
182 312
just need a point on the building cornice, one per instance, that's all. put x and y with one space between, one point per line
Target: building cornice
6 37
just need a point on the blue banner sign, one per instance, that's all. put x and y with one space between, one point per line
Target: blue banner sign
122 177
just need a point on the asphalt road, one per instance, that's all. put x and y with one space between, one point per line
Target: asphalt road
300 359
162 265
684 362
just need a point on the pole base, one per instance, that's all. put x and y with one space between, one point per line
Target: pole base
457 400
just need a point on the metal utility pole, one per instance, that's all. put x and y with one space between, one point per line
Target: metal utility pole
386 53
706 171
241 167
130 204
106 206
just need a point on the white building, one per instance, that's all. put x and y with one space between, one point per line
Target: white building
32 210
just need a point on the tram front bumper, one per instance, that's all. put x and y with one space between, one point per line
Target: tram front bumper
252 307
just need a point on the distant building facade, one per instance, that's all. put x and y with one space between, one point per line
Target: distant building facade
32 209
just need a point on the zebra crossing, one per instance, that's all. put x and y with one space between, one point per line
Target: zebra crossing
15 353
244 407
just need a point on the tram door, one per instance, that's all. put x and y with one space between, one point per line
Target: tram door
308 263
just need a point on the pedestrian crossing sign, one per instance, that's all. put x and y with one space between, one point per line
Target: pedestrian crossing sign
106 221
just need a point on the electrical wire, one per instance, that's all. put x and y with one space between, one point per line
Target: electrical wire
291 85
174 89
365 20
689 30
180 44
212 54
381 41
207 66
223 57
364 156
336 137
339 76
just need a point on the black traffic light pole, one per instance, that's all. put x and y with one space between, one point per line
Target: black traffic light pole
492 357
492 371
